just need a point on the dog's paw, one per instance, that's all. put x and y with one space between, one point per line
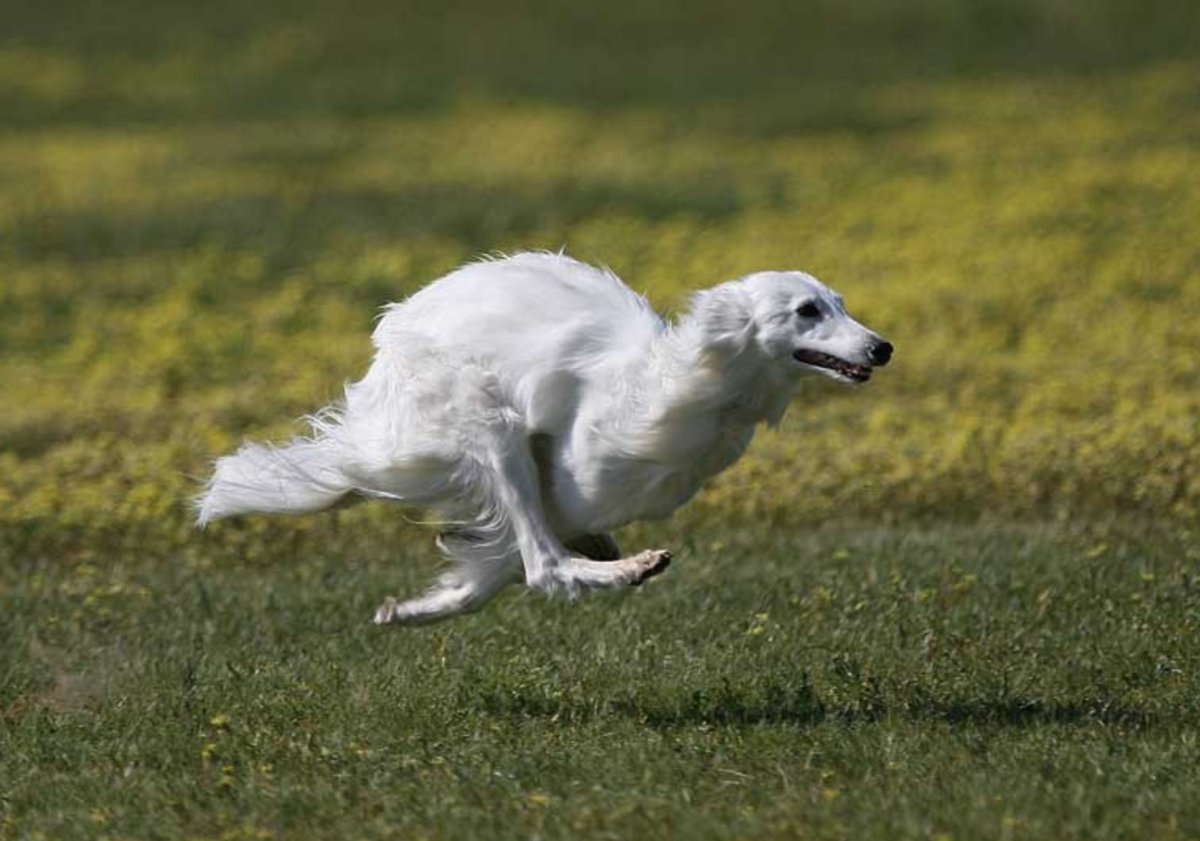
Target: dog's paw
651 563
386 614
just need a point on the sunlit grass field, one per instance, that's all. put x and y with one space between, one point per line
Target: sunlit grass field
960 602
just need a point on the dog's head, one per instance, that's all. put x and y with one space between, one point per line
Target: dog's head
796 321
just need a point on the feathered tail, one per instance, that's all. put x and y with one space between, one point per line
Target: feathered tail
298 478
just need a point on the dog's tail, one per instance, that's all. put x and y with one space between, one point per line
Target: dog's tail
295 479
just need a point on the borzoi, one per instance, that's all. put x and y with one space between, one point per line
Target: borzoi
537 403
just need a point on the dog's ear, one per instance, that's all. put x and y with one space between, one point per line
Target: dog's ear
725 316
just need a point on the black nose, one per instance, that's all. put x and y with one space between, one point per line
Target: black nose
880 353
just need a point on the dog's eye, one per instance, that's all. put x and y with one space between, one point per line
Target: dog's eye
808 310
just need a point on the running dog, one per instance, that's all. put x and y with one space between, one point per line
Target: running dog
536 404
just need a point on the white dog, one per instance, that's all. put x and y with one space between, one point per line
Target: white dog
538 403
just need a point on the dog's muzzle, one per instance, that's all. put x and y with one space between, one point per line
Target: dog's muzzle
817 359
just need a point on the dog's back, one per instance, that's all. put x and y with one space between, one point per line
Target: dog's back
545 325
532 301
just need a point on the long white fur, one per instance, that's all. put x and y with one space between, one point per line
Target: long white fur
535 402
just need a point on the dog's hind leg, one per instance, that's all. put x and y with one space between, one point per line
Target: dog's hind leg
464 589
498 475
509 471
483 566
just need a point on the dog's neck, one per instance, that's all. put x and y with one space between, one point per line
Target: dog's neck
730 378
704 402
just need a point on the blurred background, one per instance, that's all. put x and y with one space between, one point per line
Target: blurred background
202 207
958 602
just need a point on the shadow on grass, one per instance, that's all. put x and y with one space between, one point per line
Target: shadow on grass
801 706
290 233
178 62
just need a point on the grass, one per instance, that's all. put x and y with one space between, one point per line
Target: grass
866 683
958 603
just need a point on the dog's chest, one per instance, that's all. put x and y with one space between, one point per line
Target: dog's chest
609 488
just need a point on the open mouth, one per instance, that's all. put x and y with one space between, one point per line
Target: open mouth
852 372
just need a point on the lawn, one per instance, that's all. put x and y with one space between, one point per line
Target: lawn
960 602
971 682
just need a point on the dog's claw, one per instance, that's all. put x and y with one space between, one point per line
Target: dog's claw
386 613
654 561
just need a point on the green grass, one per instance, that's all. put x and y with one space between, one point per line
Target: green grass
959 603
867 683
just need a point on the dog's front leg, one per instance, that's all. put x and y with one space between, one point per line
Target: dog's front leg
550 566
